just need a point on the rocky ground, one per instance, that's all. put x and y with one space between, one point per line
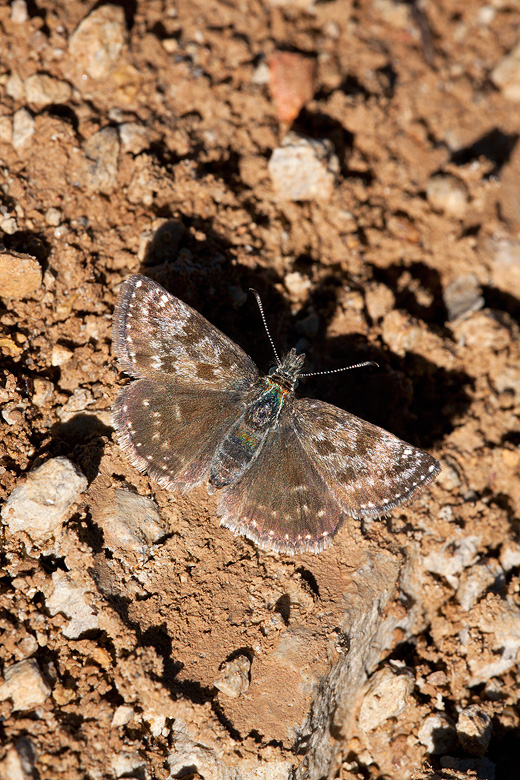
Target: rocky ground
358 164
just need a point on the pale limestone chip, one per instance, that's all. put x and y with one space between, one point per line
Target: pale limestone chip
42 90
71 598
474 730
234 677
304 168
23 129
43 503
388 693
24 685
506 75
98 41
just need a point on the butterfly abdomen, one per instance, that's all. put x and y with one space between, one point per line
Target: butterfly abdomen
245 439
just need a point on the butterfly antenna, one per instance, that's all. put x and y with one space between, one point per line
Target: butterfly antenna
259 302
346 368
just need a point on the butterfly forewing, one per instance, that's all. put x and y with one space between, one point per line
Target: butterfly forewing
282 502
367 469
156 334
171 431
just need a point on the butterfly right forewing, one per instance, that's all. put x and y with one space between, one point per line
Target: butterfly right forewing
367 469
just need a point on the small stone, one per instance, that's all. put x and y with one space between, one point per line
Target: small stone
20 275
101 152
170 45
60 355
463 296
510 458
454 556
41 505
261 74
19 761
331 29
379 300
9 226
98 41
297 284
19 12
122 716
501 624
510 556
130 523
71 598
506 75
79 401
12 416
449 478
448 195
11 767
304 169
156 722
474 730
203 761
504 259
23 128
476 580
27 646
234 677
291 79
15 88
388 693
6 130
24 685
53 217
391 12
42 90
128 765
135 138
437 734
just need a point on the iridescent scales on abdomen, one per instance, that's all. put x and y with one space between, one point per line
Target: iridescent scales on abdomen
287 470
244 441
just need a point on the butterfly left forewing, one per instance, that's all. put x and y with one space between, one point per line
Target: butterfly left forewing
367 469
156 334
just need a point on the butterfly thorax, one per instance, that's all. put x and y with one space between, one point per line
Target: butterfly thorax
285 374
245 439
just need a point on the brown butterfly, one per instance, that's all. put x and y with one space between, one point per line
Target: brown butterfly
287 469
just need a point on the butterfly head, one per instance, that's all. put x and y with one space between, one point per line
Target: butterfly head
286 372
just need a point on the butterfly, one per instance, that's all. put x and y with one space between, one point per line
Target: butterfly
287 470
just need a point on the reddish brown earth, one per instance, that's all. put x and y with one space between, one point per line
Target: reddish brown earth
145 148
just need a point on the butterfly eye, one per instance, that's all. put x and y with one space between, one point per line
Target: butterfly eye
272 370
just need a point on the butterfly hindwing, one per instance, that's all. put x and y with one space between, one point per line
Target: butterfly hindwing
171 431
282 502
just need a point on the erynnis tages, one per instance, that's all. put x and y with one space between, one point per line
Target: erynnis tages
287 469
